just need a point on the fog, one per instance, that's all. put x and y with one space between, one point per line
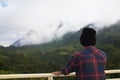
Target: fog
18 17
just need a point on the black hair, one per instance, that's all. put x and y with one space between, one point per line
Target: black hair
88 37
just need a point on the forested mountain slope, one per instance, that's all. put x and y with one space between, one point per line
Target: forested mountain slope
53 55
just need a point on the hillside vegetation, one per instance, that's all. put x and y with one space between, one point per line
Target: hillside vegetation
53 55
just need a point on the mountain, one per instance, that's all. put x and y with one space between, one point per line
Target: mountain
51 56
109 35
106 35
71 37
32 37
36 37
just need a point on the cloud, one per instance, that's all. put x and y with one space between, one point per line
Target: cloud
3 3
19 17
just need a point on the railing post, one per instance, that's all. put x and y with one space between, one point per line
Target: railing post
50 78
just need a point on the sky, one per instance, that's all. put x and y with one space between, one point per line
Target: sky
17 17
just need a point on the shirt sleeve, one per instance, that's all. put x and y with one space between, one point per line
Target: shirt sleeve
71 66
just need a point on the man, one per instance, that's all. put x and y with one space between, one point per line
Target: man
88 63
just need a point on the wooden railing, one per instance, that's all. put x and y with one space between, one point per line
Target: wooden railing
49 75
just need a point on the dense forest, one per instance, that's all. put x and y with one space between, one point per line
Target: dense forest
48 57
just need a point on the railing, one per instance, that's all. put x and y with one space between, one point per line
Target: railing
49 75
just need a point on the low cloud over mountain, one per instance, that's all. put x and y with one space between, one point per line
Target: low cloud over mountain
35 37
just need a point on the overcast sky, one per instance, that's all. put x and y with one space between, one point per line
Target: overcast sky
17 17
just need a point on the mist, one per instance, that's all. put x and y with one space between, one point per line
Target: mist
17 18
54 32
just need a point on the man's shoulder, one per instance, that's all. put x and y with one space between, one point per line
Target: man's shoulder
103 53
78 53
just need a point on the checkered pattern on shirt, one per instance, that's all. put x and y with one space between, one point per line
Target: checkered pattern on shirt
89 64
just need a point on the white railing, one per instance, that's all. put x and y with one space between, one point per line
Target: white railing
49 75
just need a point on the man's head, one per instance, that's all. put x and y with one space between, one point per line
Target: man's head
88 37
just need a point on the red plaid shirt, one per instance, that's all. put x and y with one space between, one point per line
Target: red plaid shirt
88 64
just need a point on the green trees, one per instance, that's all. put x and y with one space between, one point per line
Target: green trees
52 56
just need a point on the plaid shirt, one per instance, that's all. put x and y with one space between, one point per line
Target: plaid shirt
88 64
